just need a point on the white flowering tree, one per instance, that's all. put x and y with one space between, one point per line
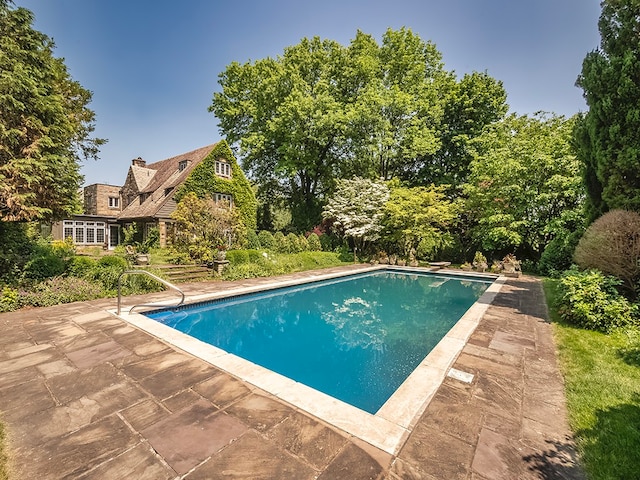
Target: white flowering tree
356 210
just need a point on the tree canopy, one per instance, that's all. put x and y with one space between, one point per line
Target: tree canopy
606 136
524 184
45 124
322 111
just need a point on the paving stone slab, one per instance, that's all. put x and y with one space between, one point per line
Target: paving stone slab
81 383
498 457
450 412
222 389
181 400
144 414
308 439
77 453
432 452
260 412
97 353
354 464
187 438
253 457
167 382
156 363
26 399
15 364
139 463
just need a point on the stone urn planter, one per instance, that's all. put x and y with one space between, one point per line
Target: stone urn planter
142 259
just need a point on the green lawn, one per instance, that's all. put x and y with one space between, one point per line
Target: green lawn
602 378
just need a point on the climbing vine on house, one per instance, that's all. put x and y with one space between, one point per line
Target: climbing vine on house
203 181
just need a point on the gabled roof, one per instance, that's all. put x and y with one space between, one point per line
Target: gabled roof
157 182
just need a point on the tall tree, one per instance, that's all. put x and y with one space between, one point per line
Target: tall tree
396 115
322 111
471 104
44 124
606 136
286 118
524 185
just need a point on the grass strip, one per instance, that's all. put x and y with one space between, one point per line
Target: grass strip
602 383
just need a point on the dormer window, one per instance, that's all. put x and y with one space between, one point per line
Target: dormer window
223 169
182 164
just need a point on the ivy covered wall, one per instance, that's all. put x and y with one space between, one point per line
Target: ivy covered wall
203 181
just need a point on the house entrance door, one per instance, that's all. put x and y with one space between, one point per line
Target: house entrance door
114 236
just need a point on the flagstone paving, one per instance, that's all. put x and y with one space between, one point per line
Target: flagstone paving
86 396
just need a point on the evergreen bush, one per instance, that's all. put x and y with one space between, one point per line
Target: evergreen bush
314 242
266 240
253 243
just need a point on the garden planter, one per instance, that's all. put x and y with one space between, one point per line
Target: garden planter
142 259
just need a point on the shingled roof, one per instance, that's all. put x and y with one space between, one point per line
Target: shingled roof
156 184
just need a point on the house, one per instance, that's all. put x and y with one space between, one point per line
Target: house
98 225
150 194
148 191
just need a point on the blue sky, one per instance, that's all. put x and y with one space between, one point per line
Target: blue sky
153 65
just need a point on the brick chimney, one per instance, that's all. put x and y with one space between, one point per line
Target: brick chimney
139 162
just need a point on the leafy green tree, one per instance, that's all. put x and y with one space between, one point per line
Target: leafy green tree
524 186
606 136
356 208
203 225
322 111
44 124
474 102
286 118
418 219
396 111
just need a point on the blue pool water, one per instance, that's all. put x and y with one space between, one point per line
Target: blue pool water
356 338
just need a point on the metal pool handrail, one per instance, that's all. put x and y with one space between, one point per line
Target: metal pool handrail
155 277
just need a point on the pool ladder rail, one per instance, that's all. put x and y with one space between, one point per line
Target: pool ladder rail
155 277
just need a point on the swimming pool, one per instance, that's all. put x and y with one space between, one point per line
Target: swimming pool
390 425
355 338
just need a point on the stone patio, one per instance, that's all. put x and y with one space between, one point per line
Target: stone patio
85 395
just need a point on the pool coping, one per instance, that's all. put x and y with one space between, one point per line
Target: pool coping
388 428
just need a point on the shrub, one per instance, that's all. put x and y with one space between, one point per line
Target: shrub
253 242
80 266
612 245
254 256
328 242
44 265
293 243
314 242
9 300
303 243
107 270
112 261
590 300
266 239
238 257
280 243
557 255
61 290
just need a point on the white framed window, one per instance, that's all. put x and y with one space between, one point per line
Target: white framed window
182 164
67 229
114 202
223 169
223 197
88 233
